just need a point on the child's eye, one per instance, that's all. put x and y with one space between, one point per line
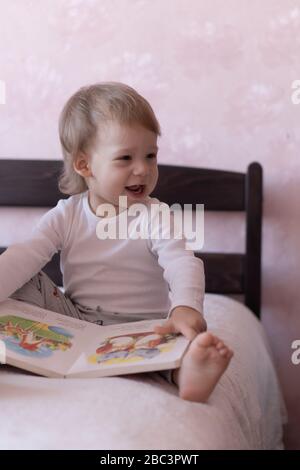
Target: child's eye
125 157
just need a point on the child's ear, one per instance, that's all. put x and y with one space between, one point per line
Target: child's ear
81 165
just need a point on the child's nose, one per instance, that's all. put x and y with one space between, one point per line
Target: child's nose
140 169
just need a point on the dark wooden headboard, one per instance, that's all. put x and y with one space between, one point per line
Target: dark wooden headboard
34 183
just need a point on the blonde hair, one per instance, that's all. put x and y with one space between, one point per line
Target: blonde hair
81 119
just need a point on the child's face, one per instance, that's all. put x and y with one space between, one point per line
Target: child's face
123 156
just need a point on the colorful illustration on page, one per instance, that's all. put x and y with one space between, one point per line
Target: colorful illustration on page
32 338
133 347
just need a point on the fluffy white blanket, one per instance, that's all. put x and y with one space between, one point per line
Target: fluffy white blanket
143 411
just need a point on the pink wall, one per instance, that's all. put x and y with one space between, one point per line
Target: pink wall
218 75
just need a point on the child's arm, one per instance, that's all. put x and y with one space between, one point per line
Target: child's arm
184 273
21 261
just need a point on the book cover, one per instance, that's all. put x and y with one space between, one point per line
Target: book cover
55 345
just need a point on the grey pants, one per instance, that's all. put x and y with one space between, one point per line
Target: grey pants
41 291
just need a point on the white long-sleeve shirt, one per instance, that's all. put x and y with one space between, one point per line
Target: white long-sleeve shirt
119 275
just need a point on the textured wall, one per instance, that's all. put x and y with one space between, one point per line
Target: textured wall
218 75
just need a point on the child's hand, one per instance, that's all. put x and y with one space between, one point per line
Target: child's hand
184 320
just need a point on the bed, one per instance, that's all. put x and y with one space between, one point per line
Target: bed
143 411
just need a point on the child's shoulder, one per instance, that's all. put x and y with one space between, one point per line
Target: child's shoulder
66 208
71 201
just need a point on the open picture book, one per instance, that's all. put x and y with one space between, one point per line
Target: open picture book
55 345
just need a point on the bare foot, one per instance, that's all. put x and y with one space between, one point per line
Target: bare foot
202 366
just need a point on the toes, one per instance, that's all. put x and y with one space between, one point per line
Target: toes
226 353
223 351
205 339
216 340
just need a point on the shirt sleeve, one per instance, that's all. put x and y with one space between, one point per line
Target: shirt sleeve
21 261
183 271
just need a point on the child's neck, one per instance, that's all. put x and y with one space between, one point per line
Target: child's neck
94 201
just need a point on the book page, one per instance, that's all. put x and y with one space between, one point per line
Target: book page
128 348
39 340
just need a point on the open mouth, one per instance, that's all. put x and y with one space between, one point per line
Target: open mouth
136 189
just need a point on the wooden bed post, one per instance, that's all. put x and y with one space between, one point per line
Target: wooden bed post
253 203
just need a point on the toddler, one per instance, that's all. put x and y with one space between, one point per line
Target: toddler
108 134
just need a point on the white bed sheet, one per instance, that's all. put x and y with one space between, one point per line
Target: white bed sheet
143 411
